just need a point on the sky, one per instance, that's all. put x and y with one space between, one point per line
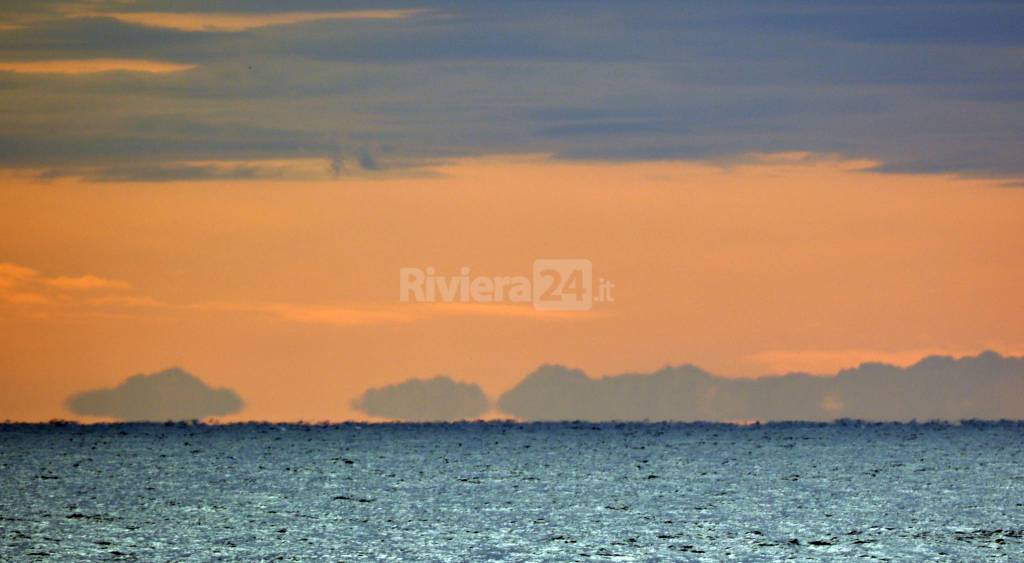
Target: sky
232 189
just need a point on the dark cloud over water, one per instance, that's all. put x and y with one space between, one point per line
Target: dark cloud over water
173 394
987 386
916 88
424 400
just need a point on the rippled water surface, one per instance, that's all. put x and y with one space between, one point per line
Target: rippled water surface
480 491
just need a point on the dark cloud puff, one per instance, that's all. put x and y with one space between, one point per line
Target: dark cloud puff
987 386
425 400
621 80
173 394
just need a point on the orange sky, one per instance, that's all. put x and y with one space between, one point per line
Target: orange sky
287 290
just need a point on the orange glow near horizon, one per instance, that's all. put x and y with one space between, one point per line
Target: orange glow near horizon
287 291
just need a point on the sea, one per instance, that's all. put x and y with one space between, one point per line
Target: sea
508 491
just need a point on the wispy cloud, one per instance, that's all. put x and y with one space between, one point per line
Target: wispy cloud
341 315
92 66
25 298
16 286
86 282
27 287
237 21
276 169
124 301
312 314
24 286
13 274
524 311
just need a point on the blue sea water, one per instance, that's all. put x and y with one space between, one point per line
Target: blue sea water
508 491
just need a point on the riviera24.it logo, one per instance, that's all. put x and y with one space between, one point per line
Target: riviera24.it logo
555 285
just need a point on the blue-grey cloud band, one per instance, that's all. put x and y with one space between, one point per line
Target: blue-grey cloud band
915 88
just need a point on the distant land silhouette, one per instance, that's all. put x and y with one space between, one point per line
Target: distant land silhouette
420 400
986 386
172 394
